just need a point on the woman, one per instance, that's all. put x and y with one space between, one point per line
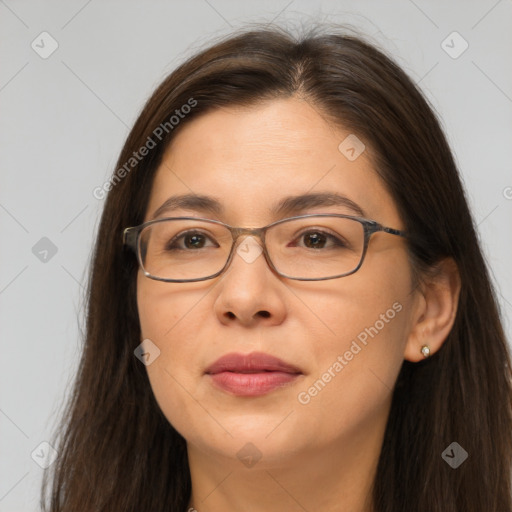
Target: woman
347 356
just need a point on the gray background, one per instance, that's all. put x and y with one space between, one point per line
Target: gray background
64 119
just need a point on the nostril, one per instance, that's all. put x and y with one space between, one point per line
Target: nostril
264 314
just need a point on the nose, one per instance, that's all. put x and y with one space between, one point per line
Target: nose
249 291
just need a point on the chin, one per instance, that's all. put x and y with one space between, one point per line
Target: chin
251 442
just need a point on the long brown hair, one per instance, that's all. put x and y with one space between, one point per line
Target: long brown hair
118 452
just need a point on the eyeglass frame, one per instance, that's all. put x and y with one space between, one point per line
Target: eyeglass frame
131 239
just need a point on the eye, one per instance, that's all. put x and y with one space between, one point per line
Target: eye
190 240
317 239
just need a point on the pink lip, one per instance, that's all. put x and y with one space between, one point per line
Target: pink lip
251 374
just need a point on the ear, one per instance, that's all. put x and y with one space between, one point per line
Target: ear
434 310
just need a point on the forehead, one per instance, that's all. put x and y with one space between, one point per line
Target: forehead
249 158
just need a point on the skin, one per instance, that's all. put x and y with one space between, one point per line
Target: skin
316 456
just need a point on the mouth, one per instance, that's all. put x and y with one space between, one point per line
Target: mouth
251 374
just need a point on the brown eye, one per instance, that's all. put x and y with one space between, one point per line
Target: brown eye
191 240
319 239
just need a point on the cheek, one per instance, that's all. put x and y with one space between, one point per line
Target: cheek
350 391
373 333
365 325
165 308
369 309
170 320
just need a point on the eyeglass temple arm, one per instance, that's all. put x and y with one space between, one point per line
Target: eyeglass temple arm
130 237
393 231
374 227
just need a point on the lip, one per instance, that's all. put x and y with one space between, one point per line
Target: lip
251 374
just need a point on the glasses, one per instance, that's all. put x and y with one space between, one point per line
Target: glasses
310 247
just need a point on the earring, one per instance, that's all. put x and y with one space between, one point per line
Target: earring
425 350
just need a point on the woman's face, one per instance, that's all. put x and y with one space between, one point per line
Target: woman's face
345 337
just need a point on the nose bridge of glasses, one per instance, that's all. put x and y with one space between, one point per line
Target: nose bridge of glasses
238 233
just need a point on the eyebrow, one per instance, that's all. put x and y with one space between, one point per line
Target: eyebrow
287 206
